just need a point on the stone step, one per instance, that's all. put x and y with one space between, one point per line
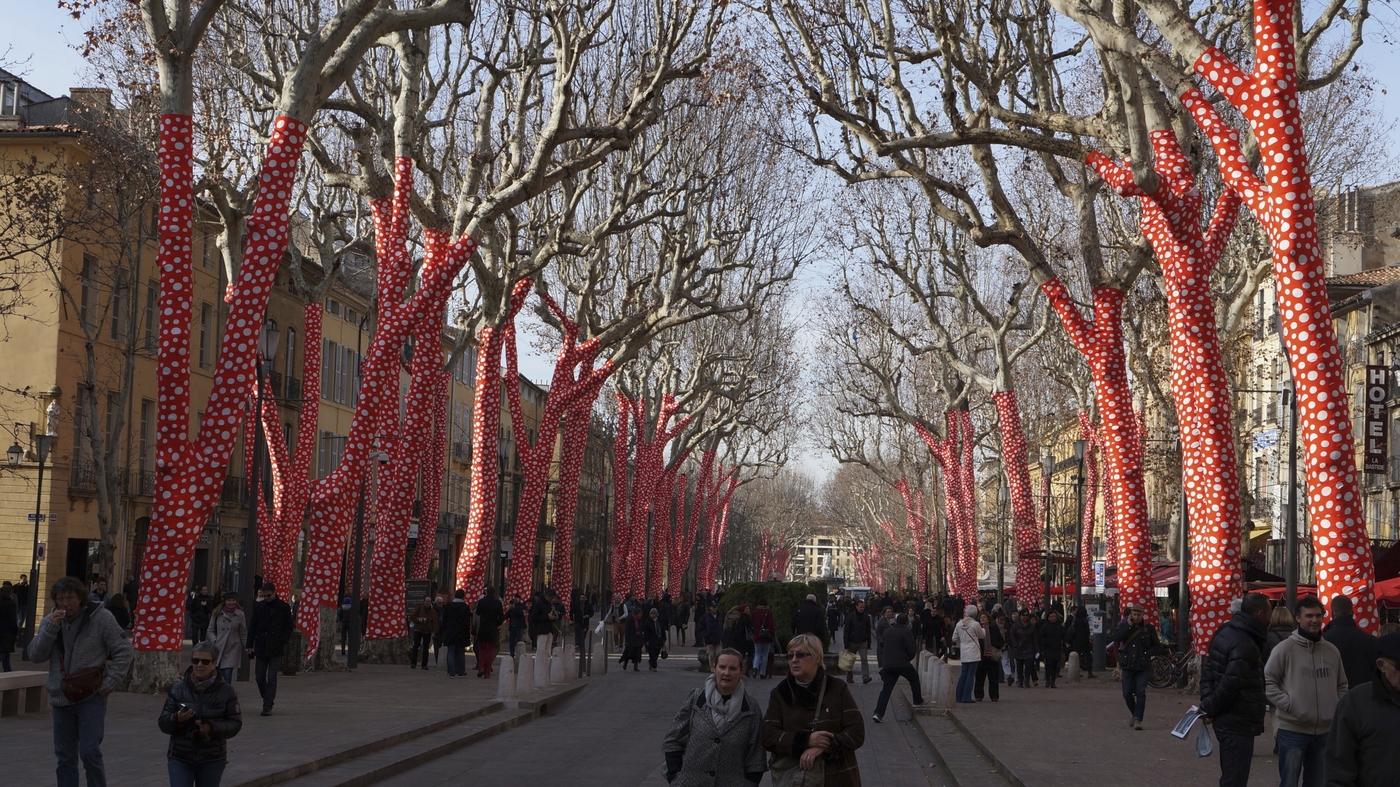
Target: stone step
963 761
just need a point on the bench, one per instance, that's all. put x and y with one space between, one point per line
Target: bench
23 692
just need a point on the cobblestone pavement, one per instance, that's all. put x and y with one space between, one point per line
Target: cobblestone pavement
610 735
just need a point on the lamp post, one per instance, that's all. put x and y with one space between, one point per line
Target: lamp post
42 444
1290 537
1079 449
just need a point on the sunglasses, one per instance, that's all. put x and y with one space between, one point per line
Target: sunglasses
201 661
800 654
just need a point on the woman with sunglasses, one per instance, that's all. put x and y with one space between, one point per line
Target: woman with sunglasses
813 725
201 713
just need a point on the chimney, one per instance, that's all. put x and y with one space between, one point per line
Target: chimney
91 97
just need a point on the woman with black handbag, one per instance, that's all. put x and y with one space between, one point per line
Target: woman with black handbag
813 725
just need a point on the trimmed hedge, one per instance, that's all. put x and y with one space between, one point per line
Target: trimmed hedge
783 598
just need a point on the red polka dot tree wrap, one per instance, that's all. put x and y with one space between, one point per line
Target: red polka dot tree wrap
953 452
1087 520
621 464
1100 341
918 531
189 474
1018 485
1188 254
1282 202
434 465
682 537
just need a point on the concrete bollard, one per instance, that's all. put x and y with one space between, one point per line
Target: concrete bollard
1072 668
542 662
570 661
525 674
599 665
505 678
557 670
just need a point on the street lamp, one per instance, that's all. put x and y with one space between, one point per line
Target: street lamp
43 444
1079 449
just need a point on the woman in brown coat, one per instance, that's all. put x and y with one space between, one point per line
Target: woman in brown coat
798 734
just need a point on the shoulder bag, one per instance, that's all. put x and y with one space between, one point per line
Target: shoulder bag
78 685
787 769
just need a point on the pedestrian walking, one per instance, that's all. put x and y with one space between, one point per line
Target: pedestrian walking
882 624
1080 640
1304 680
22 590
227 630
715 737
200 714
89 657
1137 641
439 603
116 604
199 608
1050 641
1022 644
702 606
812 725
899 651
634 637
1363 742
1232 687
1358 648
268 634
456 633
541 624
856 637
967 639
710 632
682 619
423 622
515 620
581 612
654 632
989 666
764 632
9 624
811 619
489 617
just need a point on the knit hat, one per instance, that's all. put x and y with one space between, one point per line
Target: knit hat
1388 647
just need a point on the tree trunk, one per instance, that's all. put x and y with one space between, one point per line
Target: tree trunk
1091 497
1018 484
621 524
566 507
431 482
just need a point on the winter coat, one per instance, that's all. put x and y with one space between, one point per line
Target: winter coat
1232 677
424 619
811 619
699 754
1358 649
736 631
9 623
456 623
1304 680
882 624
489 616
899 648
765 629
1050 641
92 639
994 641
709 630
228 630
216 704
516 616
1363 744
1273 637
857 631
540 623
122 614
1136 645
967 637
271 628
682 618
1079 638
652 632
788 724
200 606
1022 640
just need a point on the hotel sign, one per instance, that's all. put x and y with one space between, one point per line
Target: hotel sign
1374 427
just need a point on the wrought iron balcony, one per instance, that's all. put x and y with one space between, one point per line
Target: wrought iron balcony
232 492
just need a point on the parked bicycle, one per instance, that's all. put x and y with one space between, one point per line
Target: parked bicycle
1169 669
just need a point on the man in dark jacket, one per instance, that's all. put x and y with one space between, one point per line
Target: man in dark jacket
1021 640
489 617
856 636
710 632
1232 687
423 625
1050 641
456 633
1363 744
896 657
1080 640
199 607
200 714
1136 641
268 633
1358 648
810 618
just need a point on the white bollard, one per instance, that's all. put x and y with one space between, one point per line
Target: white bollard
542 661
1072 668
556 666
570 661
525 674
505 678
599 665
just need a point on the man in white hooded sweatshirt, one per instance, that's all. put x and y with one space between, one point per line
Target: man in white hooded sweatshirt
967 638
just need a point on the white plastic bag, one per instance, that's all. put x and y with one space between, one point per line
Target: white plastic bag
1204 744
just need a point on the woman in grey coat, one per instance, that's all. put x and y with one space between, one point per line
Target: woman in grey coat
714 738
227 630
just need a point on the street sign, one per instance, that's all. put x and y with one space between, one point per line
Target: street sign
43 549
1099 569
38 517
1373 429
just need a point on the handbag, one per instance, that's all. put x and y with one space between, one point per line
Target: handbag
846 661
787 769
80 684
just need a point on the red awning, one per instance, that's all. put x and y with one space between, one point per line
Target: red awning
1276 592
1388 592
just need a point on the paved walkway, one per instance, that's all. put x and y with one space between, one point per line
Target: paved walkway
1078 734
610 735
317 715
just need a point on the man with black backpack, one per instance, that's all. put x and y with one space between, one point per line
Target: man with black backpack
1137 642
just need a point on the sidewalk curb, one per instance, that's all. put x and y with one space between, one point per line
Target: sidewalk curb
923 735
516 713
1001 767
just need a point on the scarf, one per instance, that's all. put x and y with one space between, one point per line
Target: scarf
202 685
722 712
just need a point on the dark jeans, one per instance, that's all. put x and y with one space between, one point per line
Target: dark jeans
1052 671
77 733
265 673
195 774
227 674
967 676
422 640
515 636
889 676
1302 759
1023 672
456 660
1236 751
1135 691
989 673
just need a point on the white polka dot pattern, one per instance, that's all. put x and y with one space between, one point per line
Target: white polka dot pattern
918 530
1018 485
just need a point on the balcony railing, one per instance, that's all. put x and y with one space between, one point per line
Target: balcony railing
293 393
232 491
84 478
146 483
